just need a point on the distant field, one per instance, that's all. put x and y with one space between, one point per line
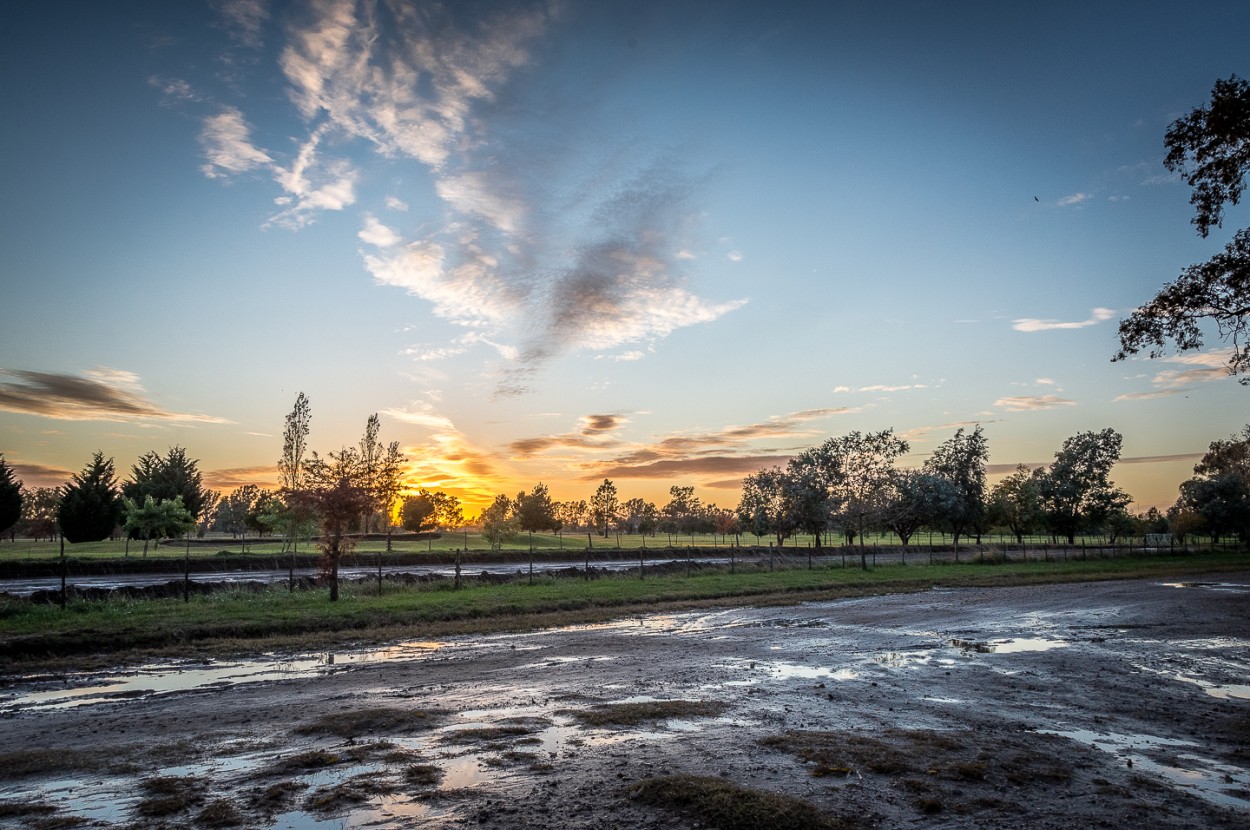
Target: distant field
473 541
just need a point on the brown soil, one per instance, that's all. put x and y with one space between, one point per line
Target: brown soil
1094 705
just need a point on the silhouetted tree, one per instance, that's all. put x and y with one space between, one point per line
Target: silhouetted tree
338 502
10 497
1210 148
418 513
1076 490
919 499
1016 502
604 507
91 504
961 461
167 478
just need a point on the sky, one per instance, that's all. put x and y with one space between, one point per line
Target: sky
664 243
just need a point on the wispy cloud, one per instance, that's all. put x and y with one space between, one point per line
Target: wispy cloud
883 388
1074 199
921 433
1032 324
532 249
376 234
741 465
594 433
420 413
228 147
234 477
244 20
1032 403
40 475
1161 459
1146 396
1208 367
101 395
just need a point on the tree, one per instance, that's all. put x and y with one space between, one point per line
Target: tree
156 519
369 465
291 469
535 511
449 511
1016 502
207 519
638 516
1077 491
805 496
338 502
573 514
763 508
859 469
40 507
91 504
961 461
166 478
604 507
388 485
418 513
10 497
499 522
919 499
1210 148
1231 457
241 511
1219 492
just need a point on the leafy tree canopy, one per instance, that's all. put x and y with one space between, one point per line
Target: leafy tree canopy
1210 148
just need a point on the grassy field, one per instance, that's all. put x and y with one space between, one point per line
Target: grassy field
121 630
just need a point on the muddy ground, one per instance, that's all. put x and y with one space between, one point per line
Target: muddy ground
1117 704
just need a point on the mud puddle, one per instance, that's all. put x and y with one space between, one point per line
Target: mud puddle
165 678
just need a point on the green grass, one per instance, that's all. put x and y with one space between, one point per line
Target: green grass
92 632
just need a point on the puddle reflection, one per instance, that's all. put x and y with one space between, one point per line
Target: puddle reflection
178 677
1213 781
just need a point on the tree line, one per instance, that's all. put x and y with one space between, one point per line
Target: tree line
849 486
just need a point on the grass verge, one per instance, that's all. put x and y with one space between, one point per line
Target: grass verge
92 634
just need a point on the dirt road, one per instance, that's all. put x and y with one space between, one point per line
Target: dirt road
1110 704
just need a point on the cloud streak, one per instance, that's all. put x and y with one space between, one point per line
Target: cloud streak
1032 324
1032 403
102 395
1208 367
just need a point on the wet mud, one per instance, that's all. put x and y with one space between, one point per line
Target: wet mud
1099 705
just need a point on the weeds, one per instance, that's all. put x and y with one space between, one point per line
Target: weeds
373 721
423 775
931 766
632 714
169 795
720 805
219 813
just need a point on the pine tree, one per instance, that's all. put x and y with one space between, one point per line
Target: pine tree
91 504
10 496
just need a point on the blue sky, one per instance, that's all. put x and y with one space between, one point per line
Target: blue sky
664 243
